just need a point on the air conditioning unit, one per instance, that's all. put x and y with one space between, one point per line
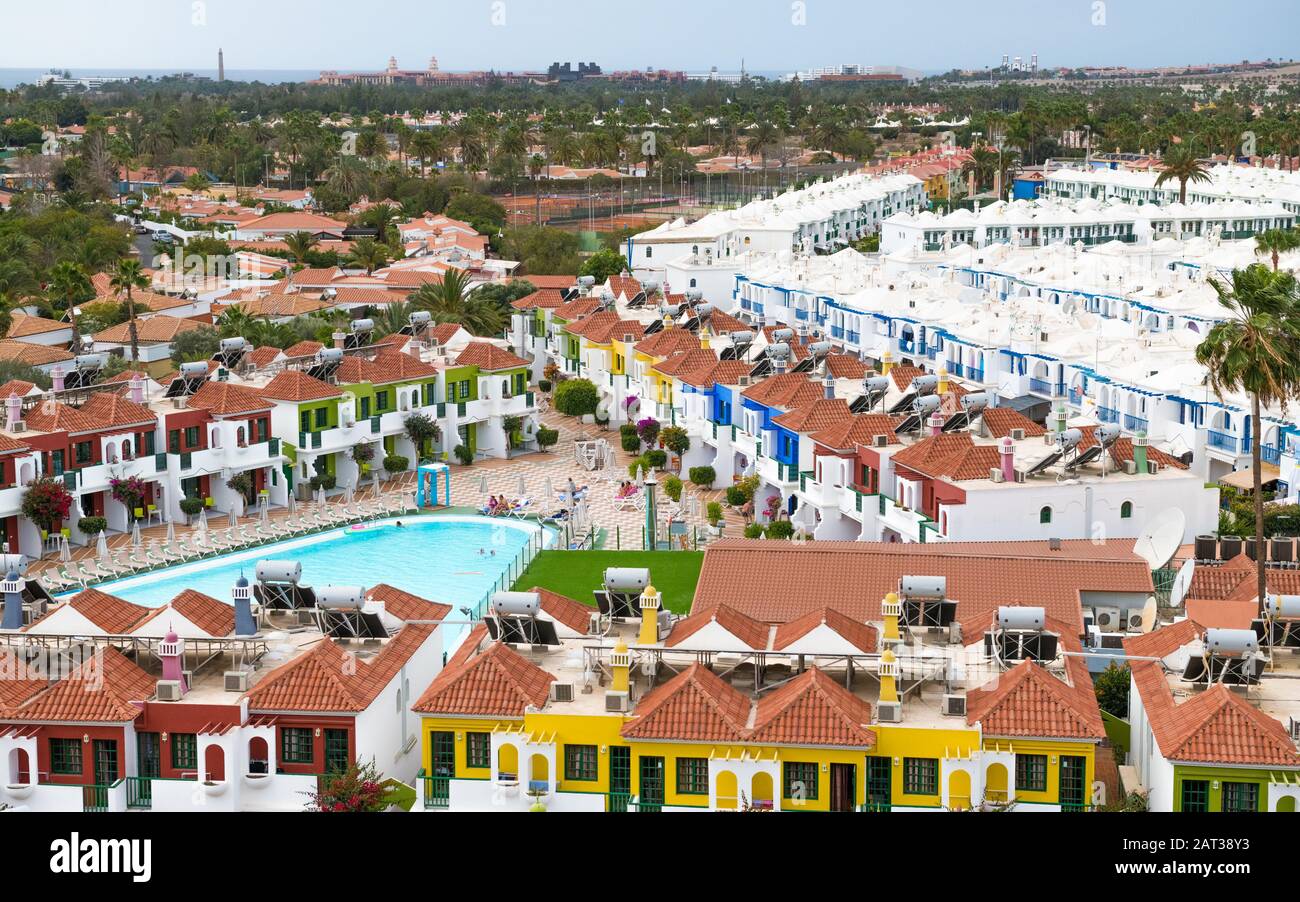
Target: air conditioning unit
188 677
1108 619
1020 475
561 692
954 633
744 380
617 701
594 625
889 712
1017 434
168 690
1130 467
880 441
954 705
1133 622
1153 467
181 402
19 426
235 680
1293 727
995 474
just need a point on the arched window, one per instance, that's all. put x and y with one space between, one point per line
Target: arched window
692 283
241 437
259 755
1045 515
19 767
214 763
127 453
1126 510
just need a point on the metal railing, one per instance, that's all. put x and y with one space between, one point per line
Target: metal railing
139 793
437 791
1224 440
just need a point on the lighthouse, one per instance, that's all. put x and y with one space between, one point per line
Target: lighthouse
221 65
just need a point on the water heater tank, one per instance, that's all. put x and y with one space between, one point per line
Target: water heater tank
341 597
877 383
626 579
925 383
237 343
194 370
782 335
519 604
1284 607
1231 643
279 572
363 325
924 586
1021 618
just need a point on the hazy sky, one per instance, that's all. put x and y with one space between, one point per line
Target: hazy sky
675 34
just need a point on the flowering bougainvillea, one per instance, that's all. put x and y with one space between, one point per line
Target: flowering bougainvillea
47 502
130 491
359 788
648 429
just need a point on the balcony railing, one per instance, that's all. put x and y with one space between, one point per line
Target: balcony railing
1225 441
1270 454
1135 423
851 336
139 793
1042 386
1108 414
437 791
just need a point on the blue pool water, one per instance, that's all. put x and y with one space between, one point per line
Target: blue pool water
434 557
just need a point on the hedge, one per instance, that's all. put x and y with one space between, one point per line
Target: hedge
702 476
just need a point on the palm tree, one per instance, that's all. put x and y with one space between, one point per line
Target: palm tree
1256 350
1276 242
70 284
763 136
368 253
299 245
449 302
983 164
130 275
235 322
1181 165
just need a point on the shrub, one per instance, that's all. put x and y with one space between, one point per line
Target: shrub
780 529
673 487
396 463
547 437
628 429
736 495
675 440
648 429
46 502
576 397
702 476
363 452
631 444
92 526
657 458
419 429
638 463
324 481
359 788
130 491
241 483
754 531
713 512
464 455
545 385
191 506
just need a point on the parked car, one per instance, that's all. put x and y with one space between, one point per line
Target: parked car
164 237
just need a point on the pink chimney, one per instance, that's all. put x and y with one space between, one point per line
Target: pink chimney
936 424
169 651
137 389
1008 450
14 411
56 376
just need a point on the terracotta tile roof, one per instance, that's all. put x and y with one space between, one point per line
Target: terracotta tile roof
113 615
496 681
812 709
24 324
722 323
903 375
1029 701
111 410
214 617
304 349
1122 450
121 687
860 429
324 680
785 390
863 636
10 445
667 341
441 333
488 357
686 362
611 328
1214 726
405 606
753 576
573 614
1222 613
542 282
32 354
751 632
152 330
694 706
576 309
949 456
846 366
625 285
55 416
720 372
295 385
820 414
16 387
14 691
999 421
393 366
1235 580
226 399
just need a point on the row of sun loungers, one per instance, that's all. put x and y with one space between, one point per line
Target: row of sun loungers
200 543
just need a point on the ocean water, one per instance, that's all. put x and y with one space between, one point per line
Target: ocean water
11 78
437 558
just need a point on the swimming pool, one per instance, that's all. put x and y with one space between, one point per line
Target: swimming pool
437 558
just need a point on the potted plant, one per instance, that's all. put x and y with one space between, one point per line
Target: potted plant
92 526
464 455
46 503
191 506
396 463
713 513
130 491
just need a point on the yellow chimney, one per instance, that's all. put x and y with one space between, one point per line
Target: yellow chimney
705 335
620 661
886 362
650 602
888 676
943 380
891 609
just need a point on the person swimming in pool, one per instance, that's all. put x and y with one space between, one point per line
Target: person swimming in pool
399 524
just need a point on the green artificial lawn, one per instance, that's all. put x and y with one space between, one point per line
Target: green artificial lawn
577 573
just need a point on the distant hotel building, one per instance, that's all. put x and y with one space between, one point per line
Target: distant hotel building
420 77
856 72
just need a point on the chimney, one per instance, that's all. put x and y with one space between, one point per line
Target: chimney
1140 452
12 589
1061 422
780 367
13 411
242 598
936 423
170 653
340 339
1008 452
136 387
943 380
828 385
650 602
56 376
620 662
891 609
886 362
888 676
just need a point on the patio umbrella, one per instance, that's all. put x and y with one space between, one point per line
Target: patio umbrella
611 461
293 505
171 531
265 513
101 547
548 491
521 489
203 518
135 533
65 552
640 475
482 484
234 517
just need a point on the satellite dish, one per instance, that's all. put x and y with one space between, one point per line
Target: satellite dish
1161 538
